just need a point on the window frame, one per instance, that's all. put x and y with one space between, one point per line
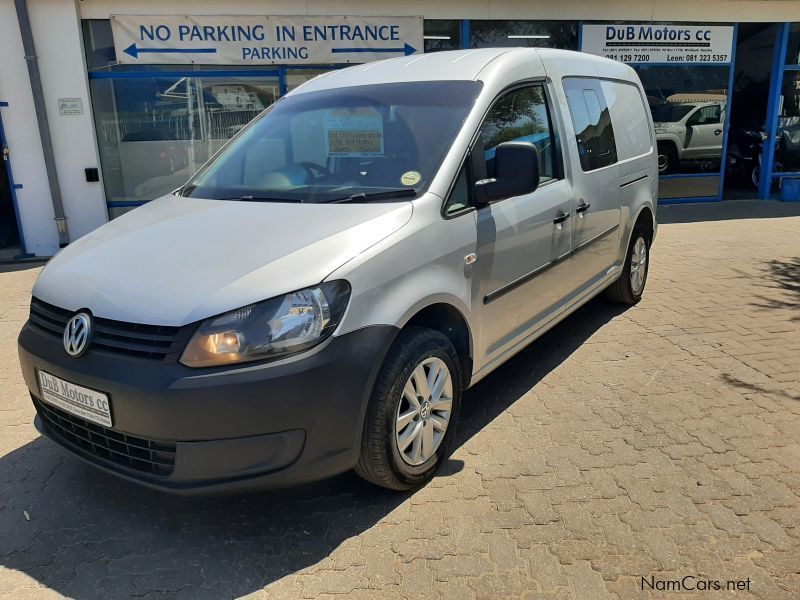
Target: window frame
473 158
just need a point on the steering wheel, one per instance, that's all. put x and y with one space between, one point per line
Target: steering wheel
317 171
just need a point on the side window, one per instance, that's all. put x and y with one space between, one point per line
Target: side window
629 118
707 115
521 115
592 122
459 197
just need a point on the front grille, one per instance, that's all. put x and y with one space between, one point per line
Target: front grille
156 458
134 339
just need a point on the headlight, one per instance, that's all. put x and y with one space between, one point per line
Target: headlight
275 327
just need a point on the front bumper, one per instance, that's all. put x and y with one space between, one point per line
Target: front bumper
251 426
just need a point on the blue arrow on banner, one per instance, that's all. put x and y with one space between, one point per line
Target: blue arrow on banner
406 49
133 51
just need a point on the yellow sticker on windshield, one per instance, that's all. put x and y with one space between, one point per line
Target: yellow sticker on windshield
410 178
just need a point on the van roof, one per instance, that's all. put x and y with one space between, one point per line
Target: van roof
476 64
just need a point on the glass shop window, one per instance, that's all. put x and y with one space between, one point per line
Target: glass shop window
153 133
534 34
793 47
787 149
689 108
441 35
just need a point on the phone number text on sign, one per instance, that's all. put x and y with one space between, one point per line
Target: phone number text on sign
646 43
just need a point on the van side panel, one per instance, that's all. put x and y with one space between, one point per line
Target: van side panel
423 265
595 175
638 171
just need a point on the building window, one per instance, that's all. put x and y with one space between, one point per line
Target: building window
787 151
682 98
793 47
442 35
157 124
297 77
153 133
99 43
534 34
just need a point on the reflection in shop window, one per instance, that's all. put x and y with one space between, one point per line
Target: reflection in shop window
442 35
689 107
793 46
297 77
535 34
787 151
155 132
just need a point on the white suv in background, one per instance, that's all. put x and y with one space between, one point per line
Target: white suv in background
688 132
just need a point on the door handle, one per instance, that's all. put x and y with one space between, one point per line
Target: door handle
717 131
582 207
561 216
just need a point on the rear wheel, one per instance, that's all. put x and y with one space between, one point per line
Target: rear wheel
413 411
628 289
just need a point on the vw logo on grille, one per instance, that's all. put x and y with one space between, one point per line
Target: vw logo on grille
76 334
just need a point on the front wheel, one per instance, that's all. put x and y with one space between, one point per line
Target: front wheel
628 289
412 413
667 158
755 175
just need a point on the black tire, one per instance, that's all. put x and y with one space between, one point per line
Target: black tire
622 289
381 462
667 158
755 176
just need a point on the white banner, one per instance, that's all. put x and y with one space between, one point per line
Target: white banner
654 43
255 40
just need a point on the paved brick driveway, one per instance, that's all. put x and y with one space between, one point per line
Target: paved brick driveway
657 441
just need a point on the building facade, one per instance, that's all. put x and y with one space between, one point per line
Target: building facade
135 97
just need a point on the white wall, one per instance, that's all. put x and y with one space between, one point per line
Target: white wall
19 122
59 44
56 30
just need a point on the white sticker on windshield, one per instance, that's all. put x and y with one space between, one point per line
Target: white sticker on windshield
356 132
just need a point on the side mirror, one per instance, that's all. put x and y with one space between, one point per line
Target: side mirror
516 167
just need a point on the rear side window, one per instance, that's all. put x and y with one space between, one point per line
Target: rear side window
628 118
521 115
592 122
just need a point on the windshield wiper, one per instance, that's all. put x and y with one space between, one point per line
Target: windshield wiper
264 199
364 196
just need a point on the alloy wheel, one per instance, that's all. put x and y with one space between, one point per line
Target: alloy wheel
424 410
638 265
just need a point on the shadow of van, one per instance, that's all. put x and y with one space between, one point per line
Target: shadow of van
93 536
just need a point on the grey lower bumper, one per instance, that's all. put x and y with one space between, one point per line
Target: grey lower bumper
255 426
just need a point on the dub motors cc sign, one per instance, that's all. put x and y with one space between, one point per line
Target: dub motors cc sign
654 43
260 40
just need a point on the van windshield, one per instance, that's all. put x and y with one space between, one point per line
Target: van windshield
347 144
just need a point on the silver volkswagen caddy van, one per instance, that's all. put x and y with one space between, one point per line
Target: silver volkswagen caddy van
320 294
